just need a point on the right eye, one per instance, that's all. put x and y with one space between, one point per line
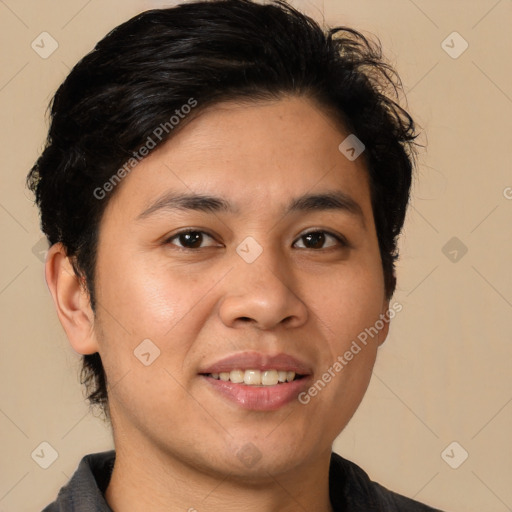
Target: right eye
189 239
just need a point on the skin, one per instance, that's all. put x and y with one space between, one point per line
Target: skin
177 440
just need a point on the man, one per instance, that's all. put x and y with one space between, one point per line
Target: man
222 188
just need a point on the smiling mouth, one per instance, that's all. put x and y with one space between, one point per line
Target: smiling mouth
252 377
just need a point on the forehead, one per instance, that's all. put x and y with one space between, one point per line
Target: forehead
249 154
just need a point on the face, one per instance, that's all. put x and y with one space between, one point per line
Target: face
278 270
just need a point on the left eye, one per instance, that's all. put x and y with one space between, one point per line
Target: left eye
316 239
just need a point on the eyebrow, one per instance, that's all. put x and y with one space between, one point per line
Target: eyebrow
332 200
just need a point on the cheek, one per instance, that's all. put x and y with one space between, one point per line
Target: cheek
141 301
147 325
350 301
348 306
147 297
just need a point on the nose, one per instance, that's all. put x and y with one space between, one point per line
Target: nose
262 293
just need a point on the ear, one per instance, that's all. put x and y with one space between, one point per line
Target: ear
71 301
384 317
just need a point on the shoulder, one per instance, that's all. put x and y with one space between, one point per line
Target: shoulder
84 491
351 489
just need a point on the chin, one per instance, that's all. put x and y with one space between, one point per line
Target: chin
261 457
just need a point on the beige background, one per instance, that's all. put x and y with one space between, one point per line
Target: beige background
444 373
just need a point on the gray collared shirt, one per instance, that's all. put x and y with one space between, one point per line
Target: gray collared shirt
350 489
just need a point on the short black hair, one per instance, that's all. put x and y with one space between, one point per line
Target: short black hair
200 53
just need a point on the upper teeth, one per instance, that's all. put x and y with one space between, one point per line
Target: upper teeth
255 377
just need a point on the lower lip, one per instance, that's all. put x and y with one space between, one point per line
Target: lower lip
259 398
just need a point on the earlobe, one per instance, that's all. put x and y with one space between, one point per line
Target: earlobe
385 319
71 301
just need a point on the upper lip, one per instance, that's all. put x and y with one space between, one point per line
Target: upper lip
258 361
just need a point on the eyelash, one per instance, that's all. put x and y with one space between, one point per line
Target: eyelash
339 238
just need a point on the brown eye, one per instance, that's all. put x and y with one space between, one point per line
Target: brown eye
189 239
317 239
